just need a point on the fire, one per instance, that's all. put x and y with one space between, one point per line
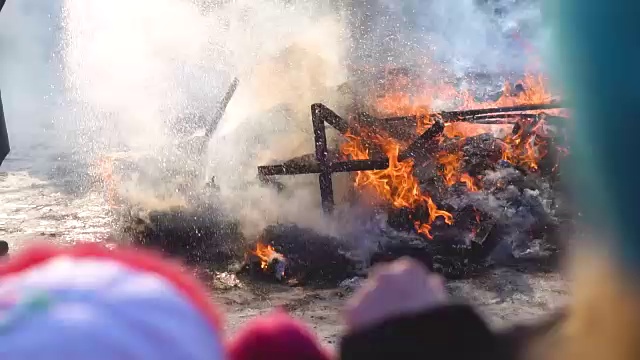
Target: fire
266 254
524 148
464 130
451 164
530 90
470 182
396 184
397 102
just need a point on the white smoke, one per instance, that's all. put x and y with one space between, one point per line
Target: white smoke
111 75
462 36
133 67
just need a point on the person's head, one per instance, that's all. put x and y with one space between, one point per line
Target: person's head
88 302
276 336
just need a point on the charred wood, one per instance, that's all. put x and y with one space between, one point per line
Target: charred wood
506 118
315 168
311 258
560 121
480 153
393 251
222 106
268 180
275 269
400 128
199 235
424 145
324 114
461 115
319 115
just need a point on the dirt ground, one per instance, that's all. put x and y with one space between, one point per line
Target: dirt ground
35 208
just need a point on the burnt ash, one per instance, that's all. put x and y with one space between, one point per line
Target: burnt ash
311 258
200 236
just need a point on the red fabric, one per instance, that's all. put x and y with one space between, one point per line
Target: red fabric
143 260
276 336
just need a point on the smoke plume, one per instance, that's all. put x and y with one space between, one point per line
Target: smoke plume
109 76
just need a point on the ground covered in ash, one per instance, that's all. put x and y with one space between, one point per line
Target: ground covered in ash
33 207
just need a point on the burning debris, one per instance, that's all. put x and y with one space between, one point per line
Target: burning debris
457 178
270 260
311 258
453 189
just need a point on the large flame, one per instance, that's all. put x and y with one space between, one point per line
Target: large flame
396 101
397 184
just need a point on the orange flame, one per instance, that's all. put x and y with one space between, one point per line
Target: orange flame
266 254
396 184
524 148
451 164
395 101
470 182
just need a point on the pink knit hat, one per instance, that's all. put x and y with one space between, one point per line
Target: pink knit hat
276 336
88 302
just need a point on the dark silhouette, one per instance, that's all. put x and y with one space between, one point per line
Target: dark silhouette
4 248
4 137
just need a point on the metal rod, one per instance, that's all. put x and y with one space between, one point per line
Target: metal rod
314 168
460 115
333 119
401 128
319 115
222 106
420 147
479 118
410 118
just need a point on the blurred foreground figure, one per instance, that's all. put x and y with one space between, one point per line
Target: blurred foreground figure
276 336
4 249
4 136
596 59
403 312
88 302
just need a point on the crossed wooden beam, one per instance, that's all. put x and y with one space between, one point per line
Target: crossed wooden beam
321 164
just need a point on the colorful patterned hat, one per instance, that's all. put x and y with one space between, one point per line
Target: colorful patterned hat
88 302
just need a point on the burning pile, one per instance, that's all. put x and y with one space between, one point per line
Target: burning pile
438 174
452 147
456 183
